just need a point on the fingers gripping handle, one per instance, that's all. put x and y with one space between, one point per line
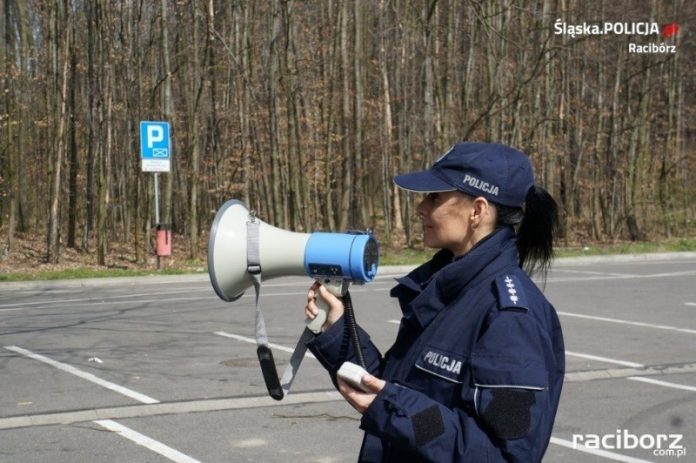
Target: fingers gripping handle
315 325
338 288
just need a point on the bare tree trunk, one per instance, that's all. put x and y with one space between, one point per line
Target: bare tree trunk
276 175
358 194
136 78
244 97
387 129
347 172
91 19
450 74
612 173
74 166
468 75
104 204
11 25
167 112
197 83
54 219
429 78
329 204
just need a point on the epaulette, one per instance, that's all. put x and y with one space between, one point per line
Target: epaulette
511 293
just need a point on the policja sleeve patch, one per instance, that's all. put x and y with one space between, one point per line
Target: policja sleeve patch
511 293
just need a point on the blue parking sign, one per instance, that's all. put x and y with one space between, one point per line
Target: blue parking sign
155 151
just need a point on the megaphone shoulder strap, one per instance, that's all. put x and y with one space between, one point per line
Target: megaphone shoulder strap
254 270
277 389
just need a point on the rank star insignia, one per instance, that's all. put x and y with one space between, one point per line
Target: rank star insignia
511 290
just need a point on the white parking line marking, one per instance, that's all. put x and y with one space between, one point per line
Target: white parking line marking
84 375
616 373
588 272
140 439
600 453
627 322
628 277
604 359
253 341
693 304
671 274
657 382
11 310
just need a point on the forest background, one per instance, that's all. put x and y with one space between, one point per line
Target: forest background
305 110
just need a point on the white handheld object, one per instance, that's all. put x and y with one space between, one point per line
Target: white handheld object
337 287
315 325
353 374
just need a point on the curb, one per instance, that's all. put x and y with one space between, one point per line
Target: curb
618 258
104 282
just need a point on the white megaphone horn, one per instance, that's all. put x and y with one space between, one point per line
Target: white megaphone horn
282 252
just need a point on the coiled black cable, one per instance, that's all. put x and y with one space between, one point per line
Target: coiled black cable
353 328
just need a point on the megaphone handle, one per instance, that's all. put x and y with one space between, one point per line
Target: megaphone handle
337 287
315 325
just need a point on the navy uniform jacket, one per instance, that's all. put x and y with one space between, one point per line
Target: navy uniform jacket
476 370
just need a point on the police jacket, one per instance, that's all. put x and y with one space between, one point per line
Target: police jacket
476 370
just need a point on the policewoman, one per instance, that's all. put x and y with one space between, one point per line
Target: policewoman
476 370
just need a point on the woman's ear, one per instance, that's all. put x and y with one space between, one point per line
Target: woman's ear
481 213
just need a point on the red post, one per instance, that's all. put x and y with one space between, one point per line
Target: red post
164 239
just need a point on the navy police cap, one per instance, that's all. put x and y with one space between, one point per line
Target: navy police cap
497 172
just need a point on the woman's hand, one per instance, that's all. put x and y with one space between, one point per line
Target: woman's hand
336 309
358 399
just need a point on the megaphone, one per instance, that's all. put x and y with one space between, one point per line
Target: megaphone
352 257
241 248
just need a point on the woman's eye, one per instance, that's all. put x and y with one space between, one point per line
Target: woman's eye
433 196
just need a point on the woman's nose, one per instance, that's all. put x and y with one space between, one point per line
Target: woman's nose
421 208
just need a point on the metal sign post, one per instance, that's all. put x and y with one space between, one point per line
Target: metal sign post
155 153
157 220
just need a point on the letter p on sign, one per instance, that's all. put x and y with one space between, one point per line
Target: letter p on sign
155 134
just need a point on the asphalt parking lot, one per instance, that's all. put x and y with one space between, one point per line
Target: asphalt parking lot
159 369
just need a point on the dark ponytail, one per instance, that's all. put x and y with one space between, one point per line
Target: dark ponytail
537 232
